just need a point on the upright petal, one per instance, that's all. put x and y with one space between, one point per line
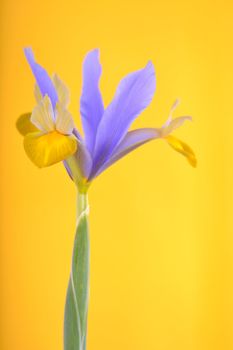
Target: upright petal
133 95
64 120
91 104
130 142
43 116
42 78
62 90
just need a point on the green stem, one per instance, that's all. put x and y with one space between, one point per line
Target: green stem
75 324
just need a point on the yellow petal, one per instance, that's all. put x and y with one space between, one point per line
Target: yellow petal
24 124
182 148
47 149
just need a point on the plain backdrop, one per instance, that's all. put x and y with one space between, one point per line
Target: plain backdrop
161 231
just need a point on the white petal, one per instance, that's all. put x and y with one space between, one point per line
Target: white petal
62 90
43 116
64 120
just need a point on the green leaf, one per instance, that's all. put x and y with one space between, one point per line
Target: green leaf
75 325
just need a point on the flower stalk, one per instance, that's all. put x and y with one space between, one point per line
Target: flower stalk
76 308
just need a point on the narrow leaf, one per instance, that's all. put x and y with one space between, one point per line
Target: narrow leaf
75 324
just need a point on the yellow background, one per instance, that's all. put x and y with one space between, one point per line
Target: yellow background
161 232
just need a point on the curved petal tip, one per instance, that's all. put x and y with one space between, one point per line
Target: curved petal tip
182 148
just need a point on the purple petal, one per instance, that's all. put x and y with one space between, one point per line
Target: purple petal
133 95
91 104
131 141
42 78
82 156
84 160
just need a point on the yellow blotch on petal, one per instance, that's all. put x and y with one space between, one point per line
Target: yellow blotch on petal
47 149
182 148
24 124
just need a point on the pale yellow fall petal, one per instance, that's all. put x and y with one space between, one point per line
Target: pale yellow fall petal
64 120
43 116
62 91
182 148
47 149
24 124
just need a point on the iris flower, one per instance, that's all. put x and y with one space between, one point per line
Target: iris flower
50 136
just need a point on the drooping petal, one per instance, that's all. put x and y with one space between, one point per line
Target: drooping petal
47 149
24 124
62 90
182 148
43 116
131 141
42 78
91 104
133 95
64 120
